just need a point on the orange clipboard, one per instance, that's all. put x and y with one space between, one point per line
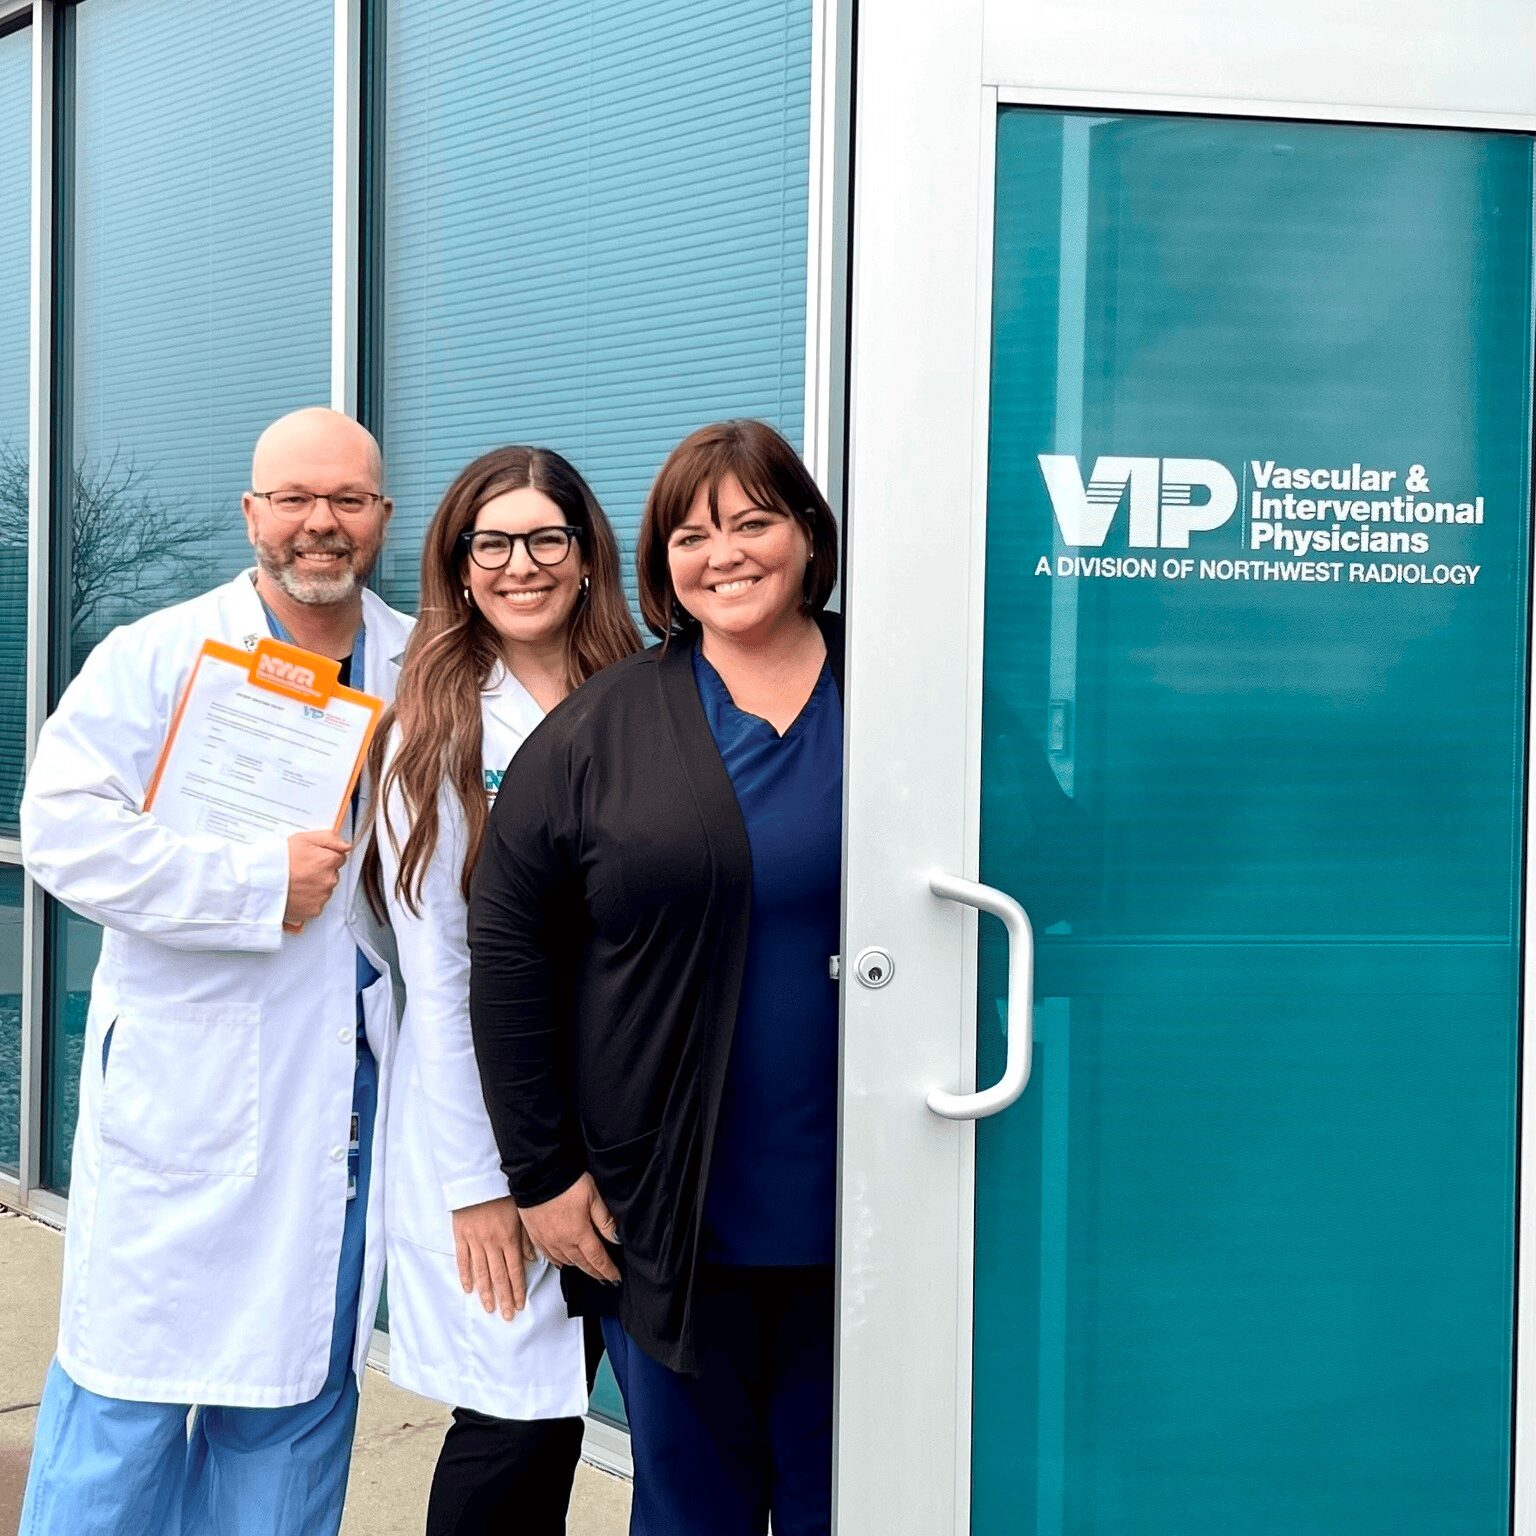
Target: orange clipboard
298 676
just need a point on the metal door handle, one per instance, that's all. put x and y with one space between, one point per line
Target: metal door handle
1021 1001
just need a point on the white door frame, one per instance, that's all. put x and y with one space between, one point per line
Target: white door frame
929 84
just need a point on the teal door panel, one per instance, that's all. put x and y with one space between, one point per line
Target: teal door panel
1253 759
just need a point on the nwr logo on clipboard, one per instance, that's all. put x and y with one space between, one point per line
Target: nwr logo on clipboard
300 674
264 742
262 745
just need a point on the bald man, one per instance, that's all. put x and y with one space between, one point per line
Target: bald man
223 1258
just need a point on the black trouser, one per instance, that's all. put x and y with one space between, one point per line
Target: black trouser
503 1475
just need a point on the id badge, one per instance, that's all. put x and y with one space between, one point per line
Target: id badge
354 1160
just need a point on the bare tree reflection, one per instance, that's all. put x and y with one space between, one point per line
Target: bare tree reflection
131 549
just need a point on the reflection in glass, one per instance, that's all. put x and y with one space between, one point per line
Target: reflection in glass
192 328
594 237
15 232
1245 1248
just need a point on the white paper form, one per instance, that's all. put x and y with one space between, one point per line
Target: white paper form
263 744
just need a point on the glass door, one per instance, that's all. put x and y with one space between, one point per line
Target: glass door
1253 733
1215 661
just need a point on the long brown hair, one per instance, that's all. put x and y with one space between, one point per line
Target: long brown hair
453 649
768 469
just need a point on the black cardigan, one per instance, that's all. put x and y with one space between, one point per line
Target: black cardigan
607 934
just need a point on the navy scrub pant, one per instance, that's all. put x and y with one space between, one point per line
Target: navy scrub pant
749 1438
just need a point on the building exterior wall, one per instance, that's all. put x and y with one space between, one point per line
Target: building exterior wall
584 223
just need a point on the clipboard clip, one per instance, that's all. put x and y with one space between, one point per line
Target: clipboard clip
295 673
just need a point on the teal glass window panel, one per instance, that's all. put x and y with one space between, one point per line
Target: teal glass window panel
607 1404
15 288
200 289
10 1015
197 309
1245 1249
74 946
594 237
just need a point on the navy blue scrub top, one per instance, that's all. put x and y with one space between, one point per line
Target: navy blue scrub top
772 1181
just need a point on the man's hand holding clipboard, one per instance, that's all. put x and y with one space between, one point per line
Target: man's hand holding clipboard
314 868
267 744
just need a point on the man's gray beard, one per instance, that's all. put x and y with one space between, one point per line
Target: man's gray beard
313 591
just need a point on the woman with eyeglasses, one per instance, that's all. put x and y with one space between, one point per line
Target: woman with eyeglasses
521 603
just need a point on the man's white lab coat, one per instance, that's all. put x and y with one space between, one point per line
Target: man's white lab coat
210 1159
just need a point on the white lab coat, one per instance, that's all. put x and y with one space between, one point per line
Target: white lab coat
442 1153
210 1161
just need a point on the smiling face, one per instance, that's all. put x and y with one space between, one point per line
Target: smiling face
318 558
525 603
744 576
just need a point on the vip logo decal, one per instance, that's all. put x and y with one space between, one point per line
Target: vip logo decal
1163 510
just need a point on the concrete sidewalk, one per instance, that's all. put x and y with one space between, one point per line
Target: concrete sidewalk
397 1437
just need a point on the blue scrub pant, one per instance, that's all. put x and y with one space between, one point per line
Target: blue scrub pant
749 1437
105 1466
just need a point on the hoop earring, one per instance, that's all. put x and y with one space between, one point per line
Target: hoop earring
469 602
586 586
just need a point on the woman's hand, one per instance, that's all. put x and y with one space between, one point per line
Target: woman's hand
492 1247
571 1227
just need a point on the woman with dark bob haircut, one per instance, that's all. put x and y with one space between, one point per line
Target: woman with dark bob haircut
650 925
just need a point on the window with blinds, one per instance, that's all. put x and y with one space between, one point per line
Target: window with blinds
594 237
15 179
196 304
15 266
200 291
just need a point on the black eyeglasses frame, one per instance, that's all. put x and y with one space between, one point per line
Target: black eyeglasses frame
573 535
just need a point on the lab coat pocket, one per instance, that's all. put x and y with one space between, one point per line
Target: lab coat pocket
181 1092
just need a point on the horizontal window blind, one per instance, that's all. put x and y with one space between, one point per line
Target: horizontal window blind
594 237
201 292
199 305
15 258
